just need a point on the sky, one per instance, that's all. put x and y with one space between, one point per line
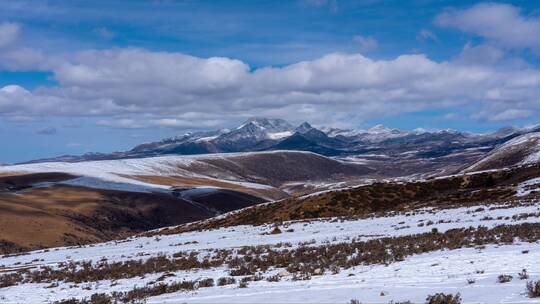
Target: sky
102 76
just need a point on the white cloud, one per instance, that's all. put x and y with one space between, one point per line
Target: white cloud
365 43
149 89
480 54
510 114
125 123
501 23
9 32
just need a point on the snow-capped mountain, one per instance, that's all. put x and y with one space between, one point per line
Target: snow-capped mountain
264 134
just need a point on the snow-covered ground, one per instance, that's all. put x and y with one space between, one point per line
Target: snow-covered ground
526 187
412 279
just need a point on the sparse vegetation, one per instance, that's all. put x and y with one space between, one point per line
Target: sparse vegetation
226 281
276 230
523 275
382 198
302 262
441 298
504 278
533 289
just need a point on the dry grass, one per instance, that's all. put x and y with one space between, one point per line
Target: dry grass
65 215
381 199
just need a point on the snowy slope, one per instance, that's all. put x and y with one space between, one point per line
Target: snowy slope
411 279
522 150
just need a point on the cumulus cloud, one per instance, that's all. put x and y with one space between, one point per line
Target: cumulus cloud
480 54
163 89
503 24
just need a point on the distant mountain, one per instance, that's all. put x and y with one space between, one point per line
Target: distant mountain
265 134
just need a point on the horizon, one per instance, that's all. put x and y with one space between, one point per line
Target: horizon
106 76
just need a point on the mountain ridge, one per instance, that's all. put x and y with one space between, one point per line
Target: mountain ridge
267 134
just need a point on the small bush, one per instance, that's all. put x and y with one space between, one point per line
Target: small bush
226 281
100 298
471 281
276 230
533 289
505 278
354 301
242 271
441 298
275 278
206 283
243 284
523 275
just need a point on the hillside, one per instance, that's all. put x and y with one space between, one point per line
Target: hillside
521 150
88 202
387 197
37 216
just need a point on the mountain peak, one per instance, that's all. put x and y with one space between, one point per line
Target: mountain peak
379 129
268 124
303 128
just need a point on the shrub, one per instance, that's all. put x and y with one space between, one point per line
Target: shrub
505 278
206 283
242 271
243 284
441 298
533 289
274 278
276 230
523 275
226 281
354 301
100 298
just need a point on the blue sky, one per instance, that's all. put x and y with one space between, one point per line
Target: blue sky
80 76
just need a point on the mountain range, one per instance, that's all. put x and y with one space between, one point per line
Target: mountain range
264 134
